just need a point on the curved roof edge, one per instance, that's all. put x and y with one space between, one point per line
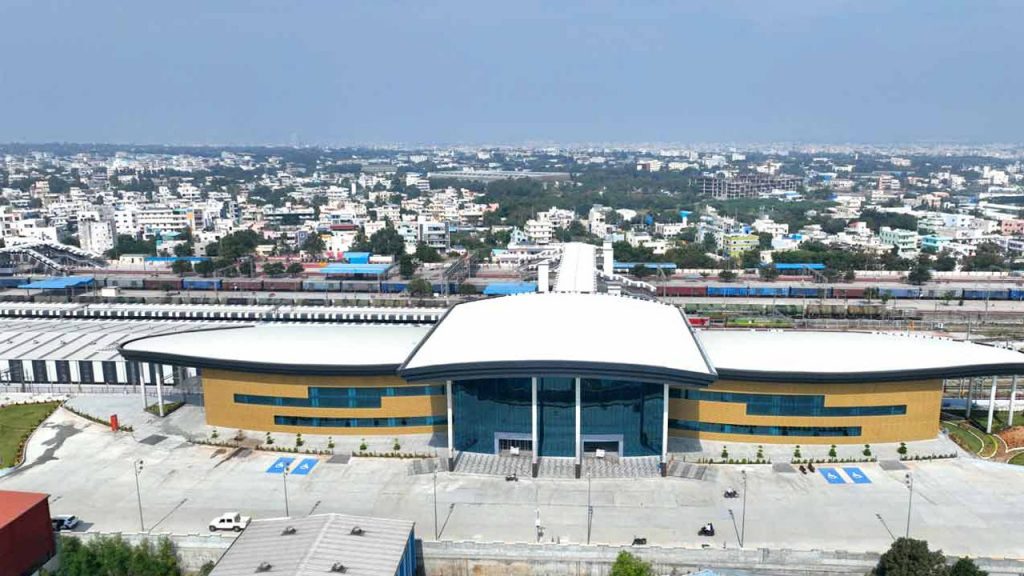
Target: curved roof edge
526 369
247 366
862 377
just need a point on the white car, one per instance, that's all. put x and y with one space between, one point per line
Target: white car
64 522
230 521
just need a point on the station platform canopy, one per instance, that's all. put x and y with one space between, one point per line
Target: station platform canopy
59 283
800 266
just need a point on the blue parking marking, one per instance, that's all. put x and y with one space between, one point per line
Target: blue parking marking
280 465
857 475
304 467
831 476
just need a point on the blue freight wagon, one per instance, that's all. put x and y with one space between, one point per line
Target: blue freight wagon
986 294
728 291
808 292
201 284
780 291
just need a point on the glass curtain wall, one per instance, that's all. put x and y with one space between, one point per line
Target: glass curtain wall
484 408
557 416
630 409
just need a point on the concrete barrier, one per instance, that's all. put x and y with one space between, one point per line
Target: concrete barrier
485 559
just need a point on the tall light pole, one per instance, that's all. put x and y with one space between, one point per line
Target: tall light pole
436 537
590 509
743 515
284 478
137 467
910 500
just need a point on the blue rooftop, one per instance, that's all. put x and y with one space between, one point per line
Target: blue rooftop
342 268
651 265
59 283
507 288
192 259
803 266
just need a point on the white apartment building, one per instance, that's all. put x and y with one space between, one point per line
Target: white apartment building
152 220
96 236
904 240
540 231
766 225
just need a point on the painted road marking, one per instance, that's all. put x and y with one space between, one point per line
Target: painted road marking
304 467
831 476
280 465
857 475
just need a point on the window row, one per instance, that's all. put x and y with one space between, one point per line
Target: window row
323 397
786 404
318 422
749 430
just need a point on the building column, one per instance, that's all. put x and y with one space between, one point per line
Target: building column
664 431
1013 397
534 431
451 426
579 430
159 373
142 384
991 405
970 397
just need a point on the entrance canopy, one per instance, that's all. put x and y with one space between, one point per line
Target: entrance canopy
588 335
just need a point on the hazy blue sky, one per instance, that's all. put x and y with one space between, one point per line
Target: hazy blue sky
422 71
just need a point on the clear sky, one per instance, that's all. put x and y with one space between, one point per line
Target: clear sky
523 71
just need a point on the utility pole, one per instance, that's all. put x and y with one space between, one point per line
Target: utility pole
436 536
590 509
910 500
743 520
137 467
284 478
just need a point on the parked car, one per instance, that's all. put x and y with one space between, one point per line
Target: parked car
230 521
64 522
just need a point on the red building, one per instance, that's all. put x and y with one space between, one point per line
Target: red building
26 534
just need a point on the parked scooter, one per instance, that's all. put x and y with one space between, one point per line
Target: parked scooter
513 477
707 530
730 493
638 541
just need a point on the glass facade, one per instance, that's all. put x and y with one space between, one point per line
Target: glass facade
483 409
745 429
330 397
786 404
489 413
630 409
320 422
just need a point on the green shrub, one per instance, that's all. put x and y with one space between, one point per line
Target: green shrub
832 451
725 453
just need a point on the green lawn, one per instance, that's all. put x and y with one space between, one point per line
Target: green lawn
16 423
1018 459
973 443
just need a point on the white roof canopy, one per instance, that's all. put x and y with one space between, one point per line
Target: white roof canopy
797 356
594 335
287 348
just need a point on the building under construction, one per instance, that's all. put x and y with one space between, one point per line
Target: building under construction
746 185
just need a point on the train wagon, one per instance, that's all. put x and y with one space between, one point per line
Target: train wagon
201 284
900 293
848 292
161 283
768 291
809 292
986 294
282 284
729 291
124 282
685 291
242 284
393 287
321 285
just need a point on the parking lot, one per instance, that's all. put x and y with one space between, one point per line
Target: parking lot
963 506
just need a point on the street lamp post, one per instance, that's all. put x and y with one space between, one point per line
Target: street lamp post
284 478
137 467
435 506
910 500
590 509
743 514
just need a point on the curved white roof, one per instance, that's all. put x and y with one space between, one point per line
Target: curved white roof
567 334
283 348
796 356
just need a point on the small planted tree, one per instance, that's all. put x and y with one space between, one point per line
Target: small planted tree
796 452
867 450
725 453
269 440
298 440
396 446
760 452
214 434
902 450
330 442
832 451
362 445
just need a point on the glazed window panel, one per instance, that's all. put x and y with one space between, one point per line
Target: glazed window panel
787 404
324 397
318 422
753 430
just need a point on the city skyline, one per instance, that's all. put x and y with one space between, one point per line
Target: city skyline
457 73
